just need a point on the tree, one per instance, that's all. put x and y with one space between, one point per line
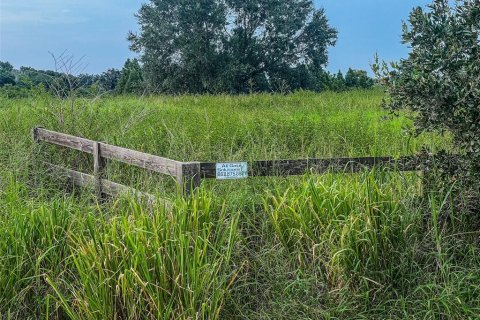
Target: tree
320 80
272 40
180 42
440 79
35 77
131 80
358 79
86 80
337 82
109 79
6 74
235 46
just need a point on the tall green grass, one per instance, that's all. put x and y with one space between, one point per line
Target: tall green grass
85 262
212 128
162 265
374 245
348 225
367 246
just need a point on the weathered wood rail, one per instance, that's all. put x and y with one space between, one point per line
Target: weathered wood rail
103 186
318 166
190 174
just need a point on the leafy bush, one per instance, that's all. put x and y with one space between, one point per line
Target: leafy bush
440 79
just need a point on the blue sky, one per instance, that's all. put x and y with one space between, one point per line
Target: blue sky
97 29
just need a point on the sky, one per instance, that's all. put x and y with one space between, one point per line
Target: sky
96 31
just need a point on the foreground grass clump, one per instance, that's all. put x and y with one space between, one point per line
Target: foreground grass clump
377 249
348 225
162 266
33 241
60 258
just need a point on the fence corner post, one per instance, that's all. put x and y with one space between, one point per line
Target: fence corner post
188 177
34 133
98 169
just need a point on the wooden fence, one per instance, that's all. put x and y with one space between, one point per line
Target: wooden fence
190 174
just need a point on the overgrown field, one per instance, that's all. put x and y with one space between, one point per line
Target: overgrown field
375 245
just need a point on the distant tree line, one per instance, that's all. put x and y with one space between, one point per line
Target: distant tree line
21 82
131 80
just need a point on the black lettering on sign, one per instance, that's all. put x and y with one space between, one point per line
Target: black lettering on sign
232 170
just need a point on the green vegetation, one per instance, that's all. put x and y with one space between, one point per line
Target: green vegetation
233 46
440 80
373 245
27 82
131 80
119 260
262 126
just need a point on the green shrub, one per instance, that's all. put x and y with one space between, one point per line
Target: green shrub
439 81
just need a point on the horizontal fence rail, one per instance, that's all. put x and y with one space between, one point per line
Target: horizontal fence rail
190 174
132 157
108 187
208 170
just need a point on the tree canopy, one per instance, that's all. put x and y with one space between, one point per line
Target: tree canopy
358 79
440 79
232 46
131 79
6 74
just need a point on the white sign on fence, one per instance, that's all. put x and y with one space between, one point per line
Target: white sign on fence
232 170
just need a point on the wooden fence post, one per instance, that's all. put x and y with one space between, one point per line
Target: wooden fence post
35 134
188 177
98 169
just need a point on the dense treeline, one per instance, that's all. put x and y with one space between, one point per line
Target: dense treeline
130 80
25 80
